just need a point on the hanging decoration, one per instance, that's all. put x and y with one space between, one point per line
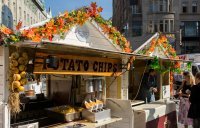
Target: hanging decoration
61 24
154 64
17 78
189 66
171 83
175 67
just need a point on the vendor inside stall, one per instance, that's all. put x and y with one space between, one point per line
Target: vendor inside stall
148 87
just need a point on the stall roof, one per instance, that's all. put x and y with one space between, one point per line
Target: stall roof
83 27
158 46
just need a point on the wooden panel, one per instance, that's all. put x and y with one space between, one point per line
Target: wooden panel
60 90
78 65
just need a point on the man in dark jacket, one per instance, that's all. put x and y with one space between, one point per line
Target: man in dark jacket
148 87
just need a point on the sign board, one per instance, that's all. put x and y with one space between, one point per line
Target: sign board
166 91
76 65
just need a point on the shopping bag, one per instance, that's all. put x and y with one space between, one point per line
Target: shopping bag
152 97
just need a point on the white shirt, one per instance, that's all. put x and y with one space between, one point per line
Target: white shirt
37 87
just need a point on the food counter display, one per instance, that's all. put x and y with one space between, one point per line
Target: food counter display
86 124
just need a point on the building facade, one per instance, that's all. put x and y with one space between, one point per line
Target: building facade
27 11
177 17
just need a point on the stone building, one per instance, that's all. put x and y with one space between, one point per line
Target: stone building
27 11
180 18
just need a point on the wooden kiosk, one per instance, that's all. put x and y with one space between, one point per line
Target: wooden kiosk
162 112
70 53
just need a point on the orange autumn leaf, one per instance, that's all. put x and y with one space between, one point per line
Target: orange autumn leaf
50 24
24 33
61 22
99 9
66 15
151 49
37 38
30 33
128 50
19 25
5 30
164 45
132 58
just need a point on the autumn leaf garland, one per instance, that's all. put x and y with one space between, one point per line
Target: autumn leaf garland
62 24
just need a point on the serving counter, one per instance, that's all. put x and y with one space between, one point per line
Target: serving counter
85 124
160 113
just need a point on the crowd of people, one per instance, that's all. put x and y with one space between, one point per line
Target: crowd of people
189 94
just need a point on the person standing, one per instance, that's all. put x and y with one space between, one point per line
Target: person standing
184 93
148 87
194 110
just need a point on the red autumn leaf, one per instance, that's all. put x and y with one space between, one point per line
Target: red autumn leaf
51 37
93 5
19 25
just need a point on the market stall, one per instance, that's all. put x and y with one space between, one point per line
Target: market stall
60 72
157 54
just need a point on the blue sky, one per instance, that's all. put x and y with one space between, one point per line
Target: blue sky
62 5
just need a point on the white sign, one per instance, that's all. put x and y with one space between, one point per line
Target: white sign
166 91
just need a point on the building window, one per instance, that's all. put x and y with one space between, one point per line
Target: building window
191 29
136 9
184 8
8 3
150 27
9 24
137 28
155 28
31 20
3 1
20 13
166 25
171 26
161 6
161 26
24 17
14 10
2 17
194 7
28 20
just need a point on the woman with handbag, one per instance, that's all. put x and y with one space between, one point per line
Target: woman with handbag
184 93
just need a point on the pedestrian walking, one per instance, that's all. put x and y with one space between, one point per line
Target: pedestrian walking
184 93
194 110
